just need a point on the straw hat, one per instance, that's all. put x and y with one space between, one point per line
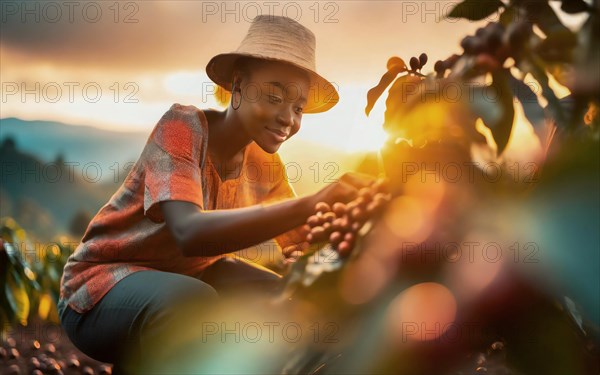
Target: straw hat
281 39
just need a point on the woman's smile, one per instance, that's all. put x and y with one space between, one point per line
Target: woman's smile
279 135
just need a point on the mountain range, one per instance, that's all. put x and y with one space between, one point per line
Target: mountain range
54 175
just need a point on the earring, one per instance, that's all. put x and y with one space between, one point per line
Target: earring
232 95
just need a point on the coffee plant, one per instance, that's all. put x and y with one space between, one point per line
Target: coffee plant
30 272
398 277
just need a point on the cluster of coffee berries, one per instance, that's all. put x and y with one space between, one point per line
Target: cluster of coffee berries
418 63
441 66
490 46
339 224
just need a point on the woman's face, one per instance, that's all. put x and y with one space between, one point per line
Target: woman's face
273 98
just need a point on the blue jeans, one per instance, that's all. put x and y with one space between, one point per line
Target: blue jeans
142 308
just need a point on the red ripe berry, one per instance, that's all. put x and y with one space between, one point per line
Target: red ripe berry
358 214
339 209
335 238
318 233
366 193
313 221
360 202
349 237
355 227
344 248
350 206
414 63
345 224
329 217
337 224
322 207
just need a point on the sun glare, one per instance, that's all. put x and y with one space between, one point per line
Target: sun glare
346 127
368 137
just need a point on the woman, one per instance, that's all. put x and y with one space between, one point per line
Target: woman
162 239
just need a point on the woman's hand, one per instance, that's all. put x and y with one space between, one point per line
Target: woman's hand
345 189
340 223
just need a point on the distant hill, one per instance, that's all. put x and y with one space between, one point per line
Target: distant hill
48 140
45 202
77 143
31 152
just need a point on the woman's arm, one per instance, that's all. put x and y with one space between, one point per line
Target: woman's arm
210 233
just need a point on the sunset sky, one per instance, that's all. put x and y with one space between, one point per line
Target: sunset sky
121 66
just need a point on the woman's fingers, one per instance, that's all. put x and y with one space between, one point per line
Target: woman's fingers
348 192
358 180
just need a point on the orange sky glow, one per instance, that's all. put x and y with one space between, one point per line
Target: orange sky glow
120 66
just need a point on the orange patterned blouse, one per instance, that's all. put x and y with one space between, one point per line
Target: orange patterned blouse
128 233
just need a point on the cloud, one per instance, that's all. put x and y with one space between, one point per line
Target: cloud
157 51
153 36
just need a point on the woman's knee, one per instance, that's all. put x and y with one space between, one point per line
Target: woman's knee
178 301
170 320
144 303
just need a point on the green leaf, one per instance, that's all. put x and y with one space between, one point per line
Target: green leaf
531 106
574 6
558 47
494 105
509 16
544 16
6 310
475 10
535 67
400 100
395 67
17 297
503 127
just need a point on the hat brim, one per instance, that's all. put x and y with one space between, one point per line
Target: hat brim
321 97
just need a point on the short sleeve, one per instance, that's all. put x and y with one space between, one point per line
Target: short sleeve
172 160
295 239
